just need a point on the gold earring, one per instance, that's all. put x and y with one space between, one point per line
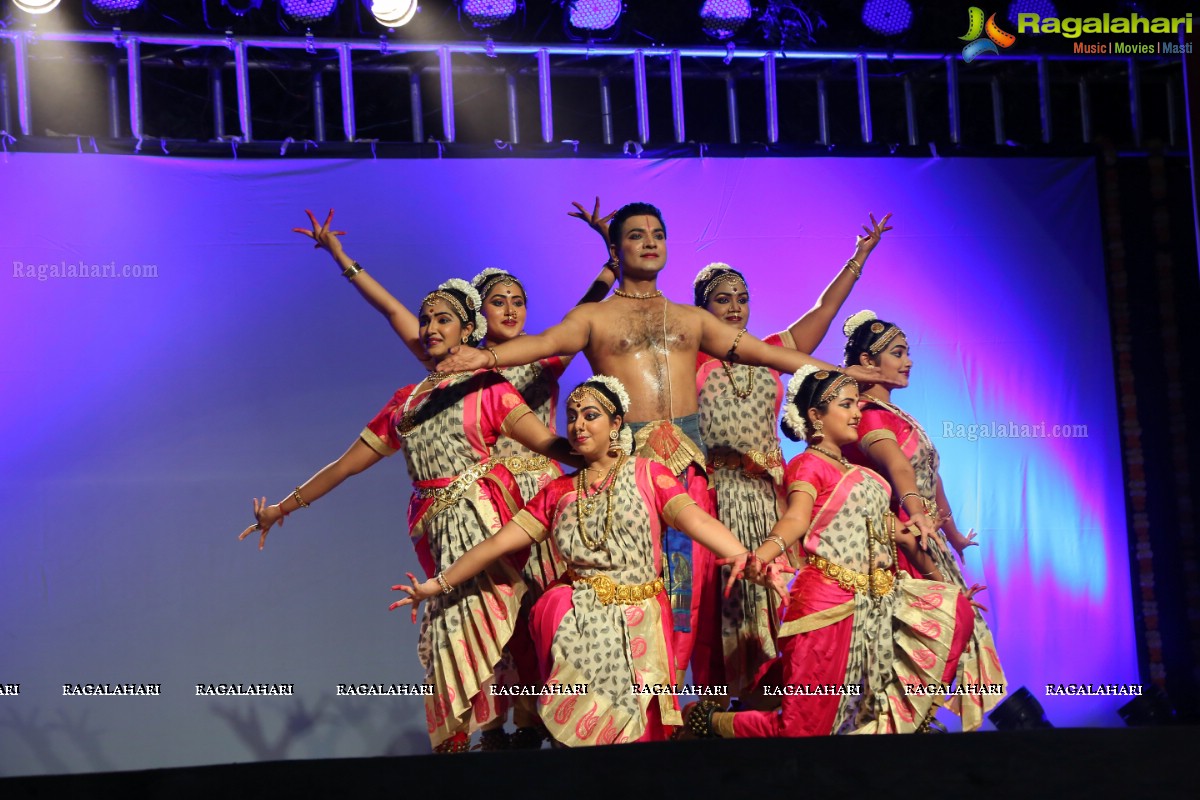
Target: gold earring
612 436
818 430
464 340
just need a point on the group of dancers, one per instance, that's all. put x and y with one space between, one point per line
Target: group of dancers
681 538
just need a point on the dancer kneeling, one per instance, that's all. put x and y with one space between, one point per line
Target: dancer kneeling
864 648
607 623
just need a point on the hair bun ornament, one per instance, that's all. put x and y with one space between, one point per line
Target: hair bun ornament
614 386
705 275
474 307
856 321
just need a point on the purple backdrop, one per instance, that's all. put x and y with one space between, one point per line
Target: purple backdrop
139 414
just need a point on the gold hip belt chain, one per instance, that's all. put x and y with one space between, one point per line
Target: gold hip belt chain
879 583
448 495
609 591
752 461
520 464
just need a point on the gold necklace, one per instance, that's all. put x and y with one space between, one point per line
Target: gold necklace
740 393
638 295
839 458
585 509
408 419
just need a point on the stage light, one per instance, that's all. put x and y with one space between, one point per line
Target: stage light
1043 8
308 11
887 17
394 13
1020 712
115 8
721 19
240 8
594 15
487 13
36 6
1152 707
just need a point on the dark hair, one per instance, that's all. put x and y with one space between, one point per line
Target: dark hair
617 225
866 336
807 396
608 394
484 284
701 290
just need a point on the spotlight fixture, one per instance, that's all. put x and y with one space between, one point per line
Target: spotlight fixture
721 19
887 17
1019 712
36 6
114 8
306 12
1151 708
1043 8
240 8
594 15
394 13
487 13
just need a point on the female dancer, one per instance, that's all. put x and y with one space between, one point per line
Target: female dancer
446 425
896 444
504 309
855 631
739 409
607 624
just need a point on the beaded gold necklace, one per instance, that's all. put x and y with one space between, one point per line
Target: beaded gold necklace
586 506
739 392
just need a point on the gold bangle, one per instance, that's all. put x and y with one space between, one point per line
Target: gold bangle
854 267
351 272
907 495
732 354
495 358
779 541
445 584
296 495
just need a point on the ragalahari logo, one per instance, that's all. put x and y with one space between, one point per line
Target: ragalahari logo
976 28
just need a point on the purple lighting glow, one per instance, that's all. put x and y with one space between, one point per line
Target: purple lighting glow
887 17
594 15
1043 8
488 13
721 19
308 10
116 7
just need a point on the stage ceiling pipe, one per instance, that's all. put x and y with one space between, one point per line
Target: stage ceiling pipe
640 96
952 100
772 90
447 77
241 72
606 121
346 73
544 96
731 105
133 52
677 96
864 97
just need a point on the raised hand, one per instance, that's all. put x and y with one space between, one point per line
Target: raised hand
416 593
323 238
961 543
265 516
596 222
864 374
863 245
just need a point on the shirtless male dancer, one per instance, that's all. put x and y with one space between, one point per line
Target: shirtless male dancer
650 344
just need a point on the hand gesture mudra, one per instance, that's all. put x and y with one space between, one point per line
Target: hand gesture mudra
322 236
864 244
265 517
416 593
593 218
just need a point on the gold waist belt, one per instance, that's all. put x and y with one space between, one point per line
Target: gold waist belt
519 464
752 461
448 495
878 583
609 591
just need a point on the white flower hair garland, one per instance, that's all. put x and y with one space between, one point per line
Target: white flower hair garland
856 321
